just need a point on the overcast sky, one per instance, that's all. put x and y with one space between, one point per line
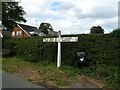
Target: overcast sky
72 16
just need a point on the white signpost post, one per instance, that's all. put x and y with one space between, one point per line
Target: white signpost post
59 40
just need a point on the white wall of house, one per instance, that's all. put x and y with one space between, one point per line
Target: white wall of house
41 34
32 33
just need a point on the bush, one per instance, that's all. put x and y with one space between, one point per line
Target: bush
116 32
100 49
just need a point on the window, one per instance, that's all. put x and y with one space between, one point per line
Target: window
18 33
13 33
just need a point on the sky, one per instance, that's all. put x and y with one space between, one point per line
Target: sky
72 16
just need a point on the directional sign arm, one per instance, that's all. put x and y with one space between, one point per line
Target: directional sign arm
50 39
69 39
62 39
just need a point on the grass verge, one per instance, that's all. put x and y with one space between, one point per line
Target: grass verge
47 74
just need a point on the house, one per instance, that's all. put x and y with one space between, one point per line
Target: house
6 33
52 33
21 30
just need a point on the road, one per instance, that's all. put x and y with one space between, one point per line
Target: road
12 81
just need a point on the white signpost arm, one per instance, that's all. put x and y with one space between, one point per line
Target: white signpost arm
59 50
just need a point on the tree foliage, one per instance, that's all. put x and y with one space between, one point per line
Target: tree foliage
96 29
116 32
0 11
44 27
11 13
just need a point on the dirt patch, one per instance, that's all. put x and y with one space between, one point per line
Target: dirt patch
37 78
93 81
25 73
46 85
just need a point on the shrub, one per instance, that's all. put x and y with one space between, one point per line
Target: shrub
100 49
116 32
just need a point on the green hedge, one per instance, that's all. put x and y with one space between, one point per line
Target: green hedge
100 49
116 33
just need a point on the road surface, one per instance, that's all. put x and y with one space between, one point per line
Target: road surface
12 81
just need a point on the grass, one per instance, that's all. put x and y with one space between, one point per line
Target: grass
13 64
47 73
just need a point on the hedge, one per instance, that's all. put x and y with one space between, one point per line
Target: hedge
100 49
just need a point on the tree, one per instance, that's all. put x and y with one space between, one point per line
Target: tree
44 27
96 29
0 10
116 32
12 13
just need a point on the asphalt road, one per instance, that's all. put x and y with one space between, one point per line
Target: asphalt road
12 81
